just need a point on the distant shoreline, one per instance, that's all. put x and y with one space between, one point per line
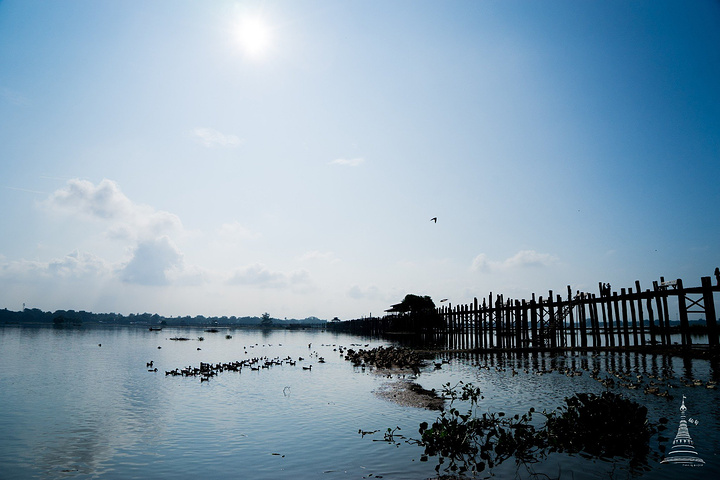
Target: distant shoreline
76 318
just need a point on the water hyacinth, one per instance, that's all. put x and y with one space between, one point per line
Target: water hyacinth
606 425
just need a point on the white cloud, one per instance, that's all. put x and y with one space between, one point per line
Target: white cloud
235 232
481 263
358 293
351 162
151 261
316 255
259 275
531 258
105 202
522 259
155 259
75 265
212 138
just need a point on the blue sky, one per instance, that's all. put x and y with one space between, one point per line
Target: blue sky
233 158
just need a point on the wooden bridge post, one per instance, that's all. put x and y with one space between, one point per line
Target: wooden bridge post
534 321
462 326
525 327
631 301
683 313
468 326
500 322
609 327
572 319
664 336
497 320
514 322
663 321
458 325
710 315
651 320
459 337
460 309
471 326
597 336
509 324
560 325
552 333
617 319
483 325
451 327
626 325
476 323
594 327
582 319
665 312
541 323
518 325
469 322
490 321
641 320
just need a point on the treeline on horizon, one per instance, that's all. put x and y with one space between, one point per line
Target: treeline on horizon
71 317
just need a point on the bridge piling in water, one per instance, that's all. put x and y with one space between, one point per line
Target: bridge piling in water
605 321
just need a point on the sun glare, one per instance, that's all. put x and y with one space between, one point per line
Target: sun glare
254 36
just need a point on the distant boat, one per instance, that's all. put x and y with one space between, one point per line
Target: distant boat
155 329
212 330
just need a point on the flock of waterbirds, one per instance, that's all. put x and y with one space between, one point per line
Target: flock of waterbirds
384 359
207 370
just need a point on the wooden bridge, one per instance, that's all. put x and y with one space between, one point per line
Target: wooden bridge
629 319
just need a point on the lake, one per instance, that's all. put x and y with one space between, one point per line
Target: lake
81 403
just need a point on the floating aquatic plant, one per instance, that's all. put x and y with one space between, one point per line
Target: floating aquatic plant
605 425
468 442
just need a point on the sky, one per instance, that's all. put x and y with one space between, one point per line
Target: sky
240 157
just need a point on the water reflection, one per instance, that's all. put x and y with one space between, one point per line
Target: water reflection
73 409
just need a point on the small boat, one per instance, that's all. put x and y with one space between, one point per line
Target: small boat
155 329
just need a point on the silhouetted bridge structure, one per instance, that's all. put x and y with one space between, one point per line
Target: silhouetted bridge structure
630 319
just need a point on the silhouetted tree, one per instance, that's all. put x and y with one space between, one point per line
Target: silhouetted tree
414 304
420 310
266 320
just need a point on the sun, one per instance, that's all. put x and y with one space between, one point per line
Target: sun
254 36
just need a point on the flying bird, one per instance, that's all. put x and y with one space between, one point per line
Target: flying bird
434 219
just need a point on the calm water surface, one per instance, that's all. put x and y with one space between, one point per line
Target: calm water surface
74 409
